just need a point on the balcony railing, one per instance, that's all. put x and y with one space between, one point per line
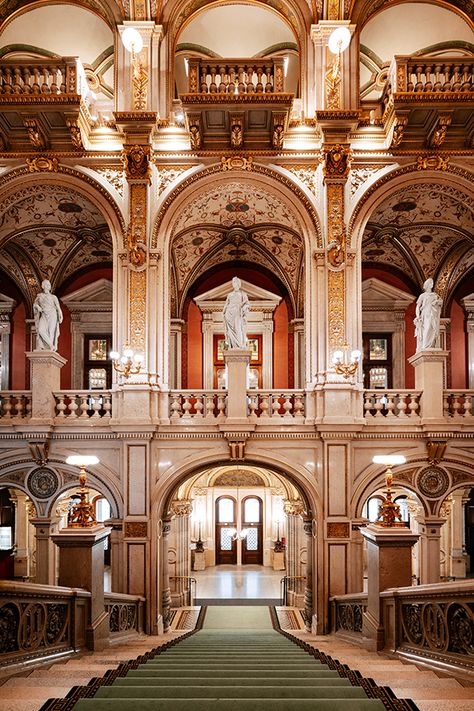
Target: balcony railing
197 406
282 406
458 404
236 76
34 77
79 405
385 405
15 405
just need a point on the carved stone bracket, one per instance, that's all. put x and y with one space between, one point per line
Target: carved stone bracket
36 135
195 132
75 131
336 161
181 507
278 131
39 452
236 163
42 165
438 136
236 449
432 162
136 161
236 130
398 131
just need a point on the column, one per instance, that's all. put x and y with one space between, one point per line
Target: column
457 554
297 328
165 580
430 366
430 549
116 542
468 303
81 565
45 572
389 566
333 72
308 526
182 509
21 561
45 381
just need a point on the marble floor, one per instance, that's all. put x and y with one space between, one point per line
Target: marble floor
246 582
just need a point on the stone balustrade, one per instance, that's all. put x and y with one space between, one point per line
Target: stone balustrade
384 405
41 76
187 406
236 76
278 406
80 405
458 403
431 75
15 404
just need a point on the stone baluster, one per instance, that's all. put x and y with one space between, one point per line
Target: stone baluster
367 405
402 406
107 404
298 407
96 405
73 406
413 405
175 407
19 406
378 406
390 405
186 407
287 406
198 406
221 408
209 403
468 405
7 408
456 406
275 405
84 406
253 404
264 405
61 405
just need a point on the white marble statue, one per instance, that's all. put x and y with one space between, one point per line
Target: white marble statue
48 316
427 317
236 307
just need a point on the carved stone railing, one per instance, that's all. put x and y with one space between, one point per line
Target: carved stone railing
347 612
438 76
197 406
15 405
74 406
458 404
385 405
34 77
125 613
40 621
277 406
432 622
236 76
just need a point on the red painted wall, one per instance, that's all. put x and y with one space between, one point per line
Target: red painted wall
459 378
194 348
19 366
280 346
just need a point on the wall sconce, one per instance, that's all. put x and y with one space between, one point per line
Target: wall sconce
342 365
82 514
129 363
388 510
338 41
133 43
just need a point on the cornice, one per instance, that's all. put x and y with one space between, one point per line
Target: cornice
236 99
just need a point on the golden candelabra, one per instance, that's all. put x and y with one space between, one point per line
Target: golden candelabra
129 363
82 513
342 365
389 512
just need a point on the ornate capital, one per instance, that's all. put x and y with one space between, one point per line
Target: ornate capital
137 162
181 507
336 161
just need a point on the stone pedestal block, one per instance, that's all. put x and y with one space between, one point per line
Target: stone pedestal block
81 565
199 560
237 361
429 377
45 380
389 566
279 560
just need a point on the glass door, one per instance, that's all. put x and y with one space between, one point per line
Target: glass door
226 529
252 543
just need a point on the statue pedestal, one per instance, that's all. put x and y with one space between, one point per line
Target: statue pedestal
45 381
237 361
389 566
199 560
429 368
278 560
81 565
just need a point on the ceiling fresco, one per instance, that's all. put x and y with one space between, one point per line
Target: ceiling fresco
424 231
51 232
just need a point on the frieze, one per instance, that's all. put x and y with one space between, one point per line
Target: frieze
135 529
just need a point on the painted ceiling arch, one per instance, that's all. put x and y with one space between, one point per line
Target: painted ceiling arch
112 11
424 230
360 11
50 231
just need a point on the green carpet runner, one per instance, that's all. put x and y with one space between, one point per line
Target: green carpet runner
237 662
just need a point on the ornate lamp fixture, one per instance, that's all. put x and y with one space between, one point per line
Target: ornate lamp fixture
342 365
133 43
339 40
129 363
388 510
82 513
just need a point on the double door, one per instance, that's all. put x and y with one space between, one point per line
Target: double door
239 534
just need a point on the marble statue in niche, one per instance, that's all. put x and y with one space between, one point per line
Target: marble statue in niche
48 315
427 317
235 312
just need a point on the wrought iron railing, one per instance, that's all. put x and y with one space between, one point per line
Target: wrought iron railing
347 613
125 613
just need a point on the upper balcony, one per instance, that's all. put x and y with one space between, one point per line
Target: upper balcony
43 104
429 102
236 103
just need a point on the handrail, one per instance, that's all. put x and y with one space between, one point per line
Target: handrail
189 589
285 589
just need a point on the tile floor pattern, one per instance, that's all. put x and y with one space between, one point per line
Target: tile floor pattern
238 582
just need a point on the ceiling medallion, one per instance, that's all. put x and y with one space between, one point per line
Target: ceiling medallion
432 482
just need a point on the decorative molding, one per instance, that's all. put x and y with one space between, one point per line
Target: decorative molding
432 482
41 164
42 483
137 310
113 176
136 162
237 163
135 529
239 478
169 174
432 162
338 529
181 507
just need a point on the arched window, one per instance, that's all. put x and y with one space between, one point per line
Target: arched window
402 501
226 527
373 505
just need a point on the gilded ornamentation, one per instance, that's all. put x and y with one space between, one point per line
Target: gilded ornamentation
195 135
360 176
446 508
36 135
181 507
432 162
336 307
294 507
114 177
436 450
439 135
137 162
278 131
398 131
42 165
236 131
168 174
401 78
239 478
137 310
3 142
333 10
75 131
333 83
307 175
337 161
135 529
136 237
236 163
139 85
336 227
338 529
433 482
